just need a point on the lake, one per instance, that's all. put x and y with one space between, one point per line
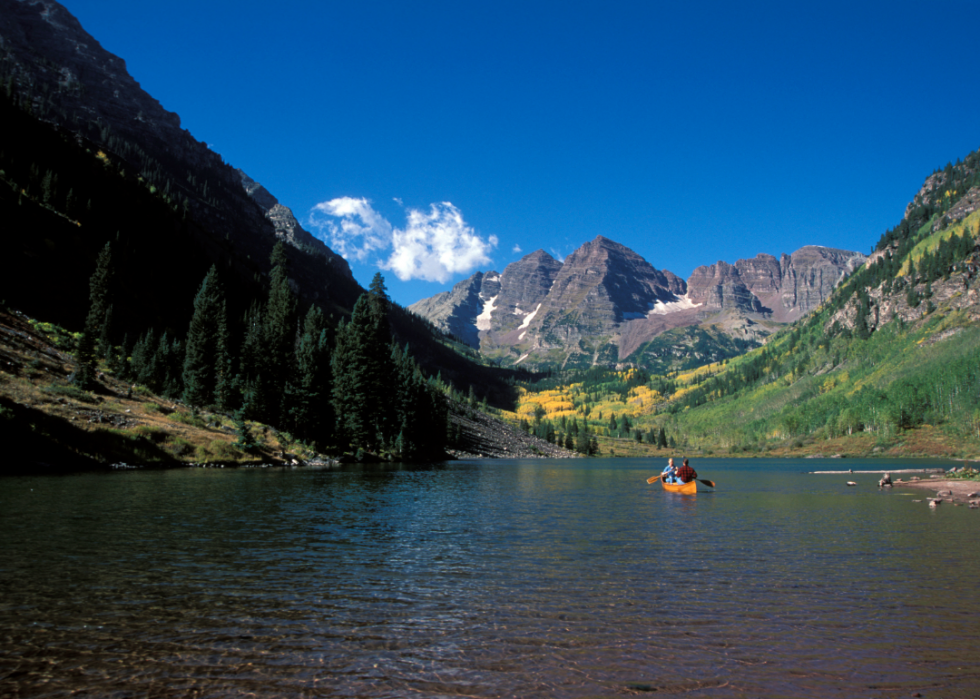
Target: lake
532 578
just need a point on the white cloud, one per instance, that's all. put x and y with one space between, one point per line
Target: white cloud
557 254
517 249
360 230
433 246
436 245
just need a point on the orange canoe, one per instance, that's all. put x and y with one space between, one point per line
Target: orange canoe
689 488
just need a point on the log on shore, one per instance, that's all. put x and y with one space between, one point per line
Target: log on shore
882 470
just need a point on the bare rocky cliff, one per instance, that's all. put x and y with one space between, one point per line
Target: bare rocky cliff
783 289
720 287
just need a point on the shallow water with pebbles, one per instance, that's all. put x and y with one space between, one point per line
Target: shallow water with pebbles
484 579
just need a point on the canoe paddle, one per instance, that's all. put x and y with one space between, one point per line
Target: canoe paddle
710 484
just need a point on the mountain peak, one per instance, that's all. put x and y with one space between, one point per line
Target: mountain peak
538 255
605 301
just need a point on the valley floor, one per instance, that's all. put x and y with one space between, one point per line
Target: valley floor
58 427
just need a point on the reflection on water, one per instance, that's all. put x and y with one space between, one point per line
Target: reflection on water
534 578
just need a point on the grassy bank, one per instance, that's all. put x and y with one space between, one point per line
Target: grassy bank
55 426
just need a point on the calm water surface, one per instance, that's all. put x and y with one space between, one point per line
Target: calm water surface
485 579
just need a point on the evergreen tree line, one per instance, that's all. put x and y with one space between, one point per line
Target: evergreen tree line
348 387
569 434
566 433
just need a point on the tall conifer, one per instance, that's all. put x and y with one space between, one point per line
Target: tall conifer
206 353
363 372
95 321
310 391
279 335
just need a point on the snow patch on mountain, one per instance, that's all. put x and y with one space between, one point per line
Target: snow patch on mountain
530 317
527 322
483 320
682 303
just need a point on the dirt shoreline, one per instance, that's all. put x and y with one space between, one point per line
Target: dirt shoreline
962 492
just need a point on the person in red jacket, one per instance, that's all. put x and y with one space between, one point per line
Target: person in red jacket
686 474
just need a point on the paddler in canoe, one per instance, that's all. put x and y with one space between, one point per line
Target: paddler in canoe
679 480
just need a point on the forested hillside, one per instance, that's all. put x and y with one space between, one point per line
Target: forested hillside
890 364
161 301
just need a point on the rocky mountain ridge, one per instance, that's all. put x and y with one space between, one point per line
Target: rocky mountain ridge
604 303
288 228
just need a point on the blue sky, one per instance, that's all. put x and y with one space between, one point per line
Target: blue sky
431 139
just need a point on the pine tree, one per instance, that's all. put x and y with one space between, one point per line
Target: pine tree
119 364
363 373
861 330
142 366
167 367
95 321
206 354
421 413
279 332
246 441
310 390
349 393
104 345
252 362
225 387
582 440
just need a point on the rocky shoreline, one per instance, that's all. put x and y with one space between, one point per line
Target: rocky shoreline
946 490
483 436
